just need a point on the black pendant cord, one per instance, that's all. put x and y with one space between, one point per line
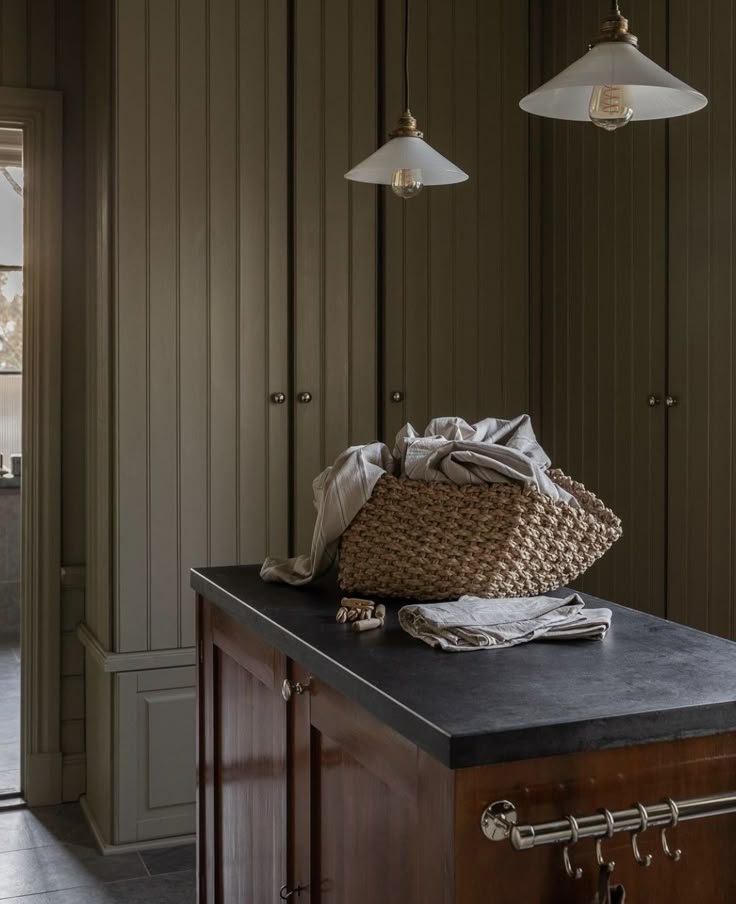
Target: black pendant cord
406 54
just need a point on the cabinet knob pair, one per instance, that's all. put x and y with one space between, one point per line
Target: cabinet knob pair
670 401
278 398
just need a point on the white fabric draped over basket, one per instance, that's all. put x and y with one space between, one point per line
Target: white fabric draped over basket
450 450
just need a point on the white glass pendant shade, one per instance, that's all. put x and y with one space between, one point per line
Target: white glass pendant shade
651 92
402 154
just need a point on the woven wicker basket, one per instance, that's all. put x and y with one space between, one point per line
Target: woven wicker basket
438 541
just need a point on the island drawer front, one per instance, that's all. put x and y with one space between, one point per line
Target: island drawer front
580 784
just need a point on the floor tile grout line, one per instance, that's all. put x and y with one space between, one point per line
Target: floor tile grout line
181 872
145 865
55 843
100 884
34 894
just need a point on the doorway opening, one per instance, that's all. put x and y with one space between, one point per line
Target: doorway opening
11 444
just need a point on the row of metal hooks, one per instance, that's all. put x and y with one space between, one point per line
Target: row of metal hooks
642 859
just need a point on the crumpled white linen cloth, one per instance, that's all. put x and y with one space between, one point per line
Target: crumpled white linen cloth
474 623
451 450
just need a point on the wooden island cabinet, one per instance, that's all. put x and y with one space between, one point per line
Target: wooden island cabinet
315 789
354 768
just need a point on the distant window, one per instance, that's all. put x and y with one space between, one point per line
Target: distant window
11 264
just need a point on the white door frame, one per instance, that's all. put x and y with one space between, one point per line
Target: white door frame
39 114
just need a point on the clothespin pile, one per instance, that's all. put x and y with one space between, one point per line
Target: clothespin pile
365 615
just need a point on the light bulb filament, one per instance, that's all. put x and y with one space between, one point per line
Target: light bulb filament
610 106
407 183
611 99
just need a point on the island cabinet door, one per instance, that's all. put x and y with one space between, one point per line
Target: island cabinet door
242 764
371 814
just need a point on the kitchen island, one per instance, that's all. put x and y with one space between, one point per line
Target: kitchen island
355 767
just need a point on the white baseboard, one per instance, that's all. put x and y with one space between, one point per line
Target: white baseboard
107 848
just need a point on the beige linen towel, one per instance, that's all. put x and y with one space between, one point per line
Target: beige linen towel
475 623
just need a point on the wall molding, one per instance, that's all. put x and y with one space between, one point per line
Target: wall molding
39 115
73 577
108 849
112 662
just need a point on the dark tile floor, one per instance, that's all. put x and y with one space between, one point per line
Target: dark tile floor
48 856
9 714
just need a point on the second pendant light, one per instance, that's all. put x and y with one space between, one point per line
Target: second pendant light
613 84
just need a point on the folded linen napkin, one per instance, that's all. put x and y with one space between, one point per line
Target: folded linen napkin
474 623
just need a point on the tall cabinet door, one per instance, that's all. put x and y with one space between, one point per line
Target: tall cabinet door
456 309
200 332
603 312
335 77
242 764
702 425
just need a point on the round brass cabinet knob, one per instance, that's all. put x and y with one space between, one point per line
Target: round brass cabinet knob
397 396
305 397
671 401
289 688
654 400
278 398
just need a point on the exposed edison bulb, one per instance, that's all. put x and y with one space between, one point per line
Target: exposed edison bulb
610 106
407 183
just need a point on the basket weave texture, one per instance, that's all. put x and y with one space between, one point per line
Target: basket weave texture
439 541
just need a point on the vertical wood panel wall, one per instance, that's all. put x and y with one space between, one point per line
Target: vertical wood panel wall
457 289
702 330
42 46
202 265
603 326
200 301
335 115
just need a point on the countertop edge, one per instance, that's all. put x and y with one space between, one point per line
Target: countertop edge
614 732
424 734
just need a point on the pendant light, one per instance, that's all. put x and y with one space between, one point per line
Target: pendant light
406 162
613 84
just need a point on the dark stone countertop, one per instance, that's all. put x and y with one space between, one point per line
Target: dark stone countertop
650 680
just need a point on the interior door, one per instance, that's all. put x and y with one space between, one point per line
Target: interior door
603 313
335 76
241 764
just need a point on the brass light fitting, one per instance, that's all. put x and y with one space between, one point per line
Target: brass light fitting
407 127
615 27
